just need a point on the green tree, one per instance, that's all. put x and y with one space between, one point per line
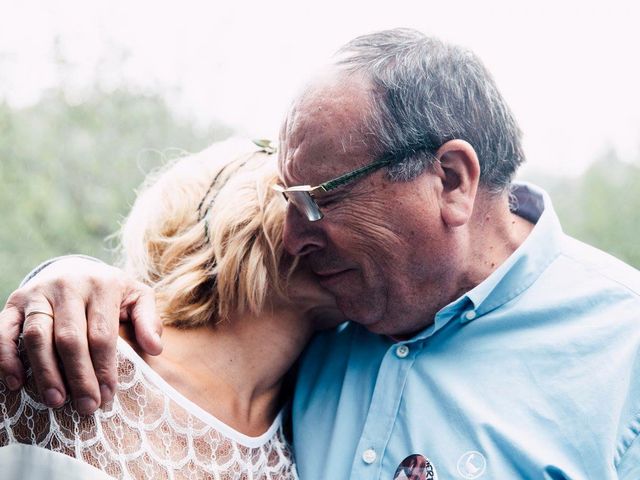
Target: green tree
68 170
602 206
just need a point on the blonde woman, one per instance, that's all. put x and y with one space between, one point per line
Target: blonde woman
205 234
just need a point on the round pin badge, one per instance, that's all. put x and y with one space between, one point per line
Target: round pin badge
472 465
416 467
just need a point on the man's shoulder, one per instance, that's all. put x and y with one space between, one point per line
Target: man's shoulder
598 265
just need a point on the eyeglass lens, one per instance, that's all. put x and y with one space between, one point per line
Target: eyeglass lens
305 204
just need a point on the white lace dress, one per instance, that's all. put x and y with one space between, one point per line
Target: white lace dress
150 431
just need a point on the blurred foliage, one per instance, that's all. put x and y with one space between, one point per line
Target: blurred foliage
69 167
602 206
68 170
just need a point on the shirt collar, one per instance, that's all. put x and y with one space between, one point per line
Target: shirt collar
529 260
520 270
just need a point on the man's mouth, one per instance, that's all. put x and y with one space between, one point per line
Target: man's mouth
331 277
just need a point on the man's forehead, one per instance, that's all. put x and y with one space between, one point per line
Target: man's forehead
319 157
325 133
310 164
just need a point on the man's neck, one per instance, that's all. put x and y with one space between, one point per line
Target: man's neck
494 234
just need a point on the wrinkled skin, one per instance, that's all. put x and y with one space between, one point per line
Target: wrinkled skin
383 248
392 253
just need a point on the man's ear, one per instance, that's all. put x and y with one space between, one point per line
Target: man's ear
459 171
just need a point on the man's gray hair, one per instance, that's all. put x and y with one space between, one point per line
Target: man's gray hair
426 93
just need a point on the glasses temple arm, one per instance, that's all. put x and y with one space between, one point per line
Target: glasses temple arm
348 177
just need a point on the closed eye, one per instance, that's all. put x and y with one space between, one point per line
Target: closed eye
326 202
331 200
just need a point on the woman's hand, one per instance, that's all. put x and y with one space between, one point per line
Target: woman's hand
71 311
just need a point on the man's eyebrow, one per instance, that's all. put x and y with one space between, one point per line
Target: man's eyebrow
287 170
349 190
331 195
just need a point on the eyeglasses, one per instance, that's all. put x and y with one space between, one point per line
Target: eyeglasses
303 197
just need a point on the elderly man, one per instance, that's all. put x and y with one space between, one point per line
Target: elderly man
485 343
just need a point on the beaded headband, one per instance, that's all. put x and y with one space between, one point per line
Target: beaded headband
220 179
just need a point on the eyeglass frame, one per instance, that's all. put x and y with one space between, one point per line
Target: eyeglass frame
320 190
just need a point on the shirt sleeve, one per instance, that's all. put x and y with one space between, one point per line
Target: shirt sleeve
46 263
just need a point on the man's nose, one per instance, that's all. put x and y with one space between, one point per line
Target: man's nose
300 236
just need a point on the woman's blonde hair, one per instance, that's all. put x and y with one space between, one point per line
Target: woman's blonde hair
205 233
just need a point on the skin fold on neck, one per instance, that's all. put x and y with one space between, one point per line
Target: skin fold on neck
495 233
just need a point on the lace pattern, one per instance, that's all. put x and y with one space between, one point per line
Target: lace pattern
148 432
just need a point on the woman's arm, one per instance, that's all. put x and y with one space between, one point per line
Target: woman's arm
87 299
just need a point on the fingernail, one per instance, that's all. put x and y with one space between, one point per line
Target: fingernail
105 393
12 382
86 405
53 397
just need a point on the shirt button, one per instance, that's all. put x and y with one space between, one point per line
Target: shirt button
369 456
470 315
402 351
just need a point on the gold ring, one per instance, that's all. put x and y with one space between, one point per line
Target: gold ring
38 312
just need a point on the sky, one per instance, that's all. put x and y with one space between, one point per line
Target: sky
570 70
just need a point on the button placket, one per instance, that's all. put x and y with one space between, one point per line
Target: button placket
383 409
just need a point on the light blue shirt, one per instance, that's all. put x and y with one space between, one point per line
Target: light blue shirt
533 374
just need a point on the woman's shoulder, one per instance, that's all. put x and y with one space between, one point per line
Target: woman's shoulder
147 421
146 386
25 419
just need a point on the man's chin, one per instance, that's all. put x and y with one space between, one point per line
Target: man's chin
381 327
378 328
364 317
